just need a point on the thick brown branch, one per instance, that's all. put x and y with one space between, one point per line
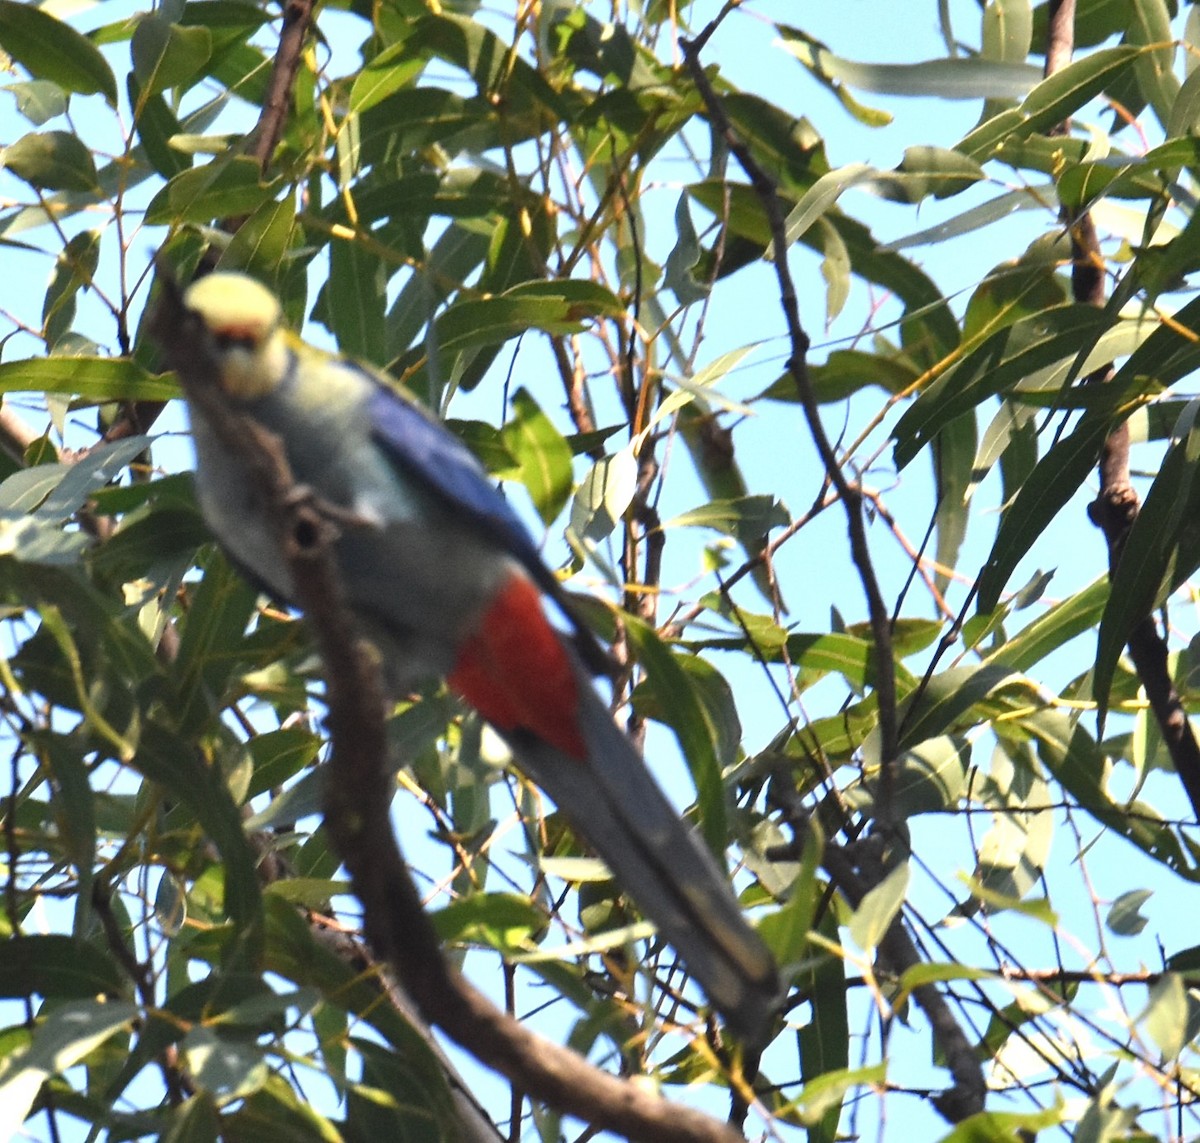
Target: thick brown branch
1060 35
16 436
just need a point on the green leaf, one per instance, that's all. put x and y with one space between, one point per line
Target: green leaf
78 481
185 774
263 240
41 542
679 269
222 188
926 171
65 1037
1007 32
1166 1017
156 127
825 1045
701 388
1150 26
167 55
786 931
879 908
299 800
926 972
95 379
75 814
929 778
195 1120
1045 386
1038 341
607 50
38 100
418 117
1146 570
558 307
57 967
542 454
1124 916
679 704
1005 1126
172 531
820 654
74 269
947 698
835 269
847 371
1064 621
1079 765
50 49
1002 206
1052 483
1185 111
822 195
1169 353
355 298
604 495
396 1099
210 638
962 78
52 160
281 1110
953 466
502 921
394 68
458 251
1051 101
222 1065
747 519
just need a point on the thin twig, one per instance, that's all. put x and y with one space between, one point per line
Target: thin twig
850 495
966 1096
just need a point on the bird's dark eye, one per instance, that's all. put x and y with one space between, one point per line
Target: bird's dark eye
234 339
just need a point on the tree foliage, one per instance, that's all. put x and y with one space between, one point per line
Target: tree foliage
950 798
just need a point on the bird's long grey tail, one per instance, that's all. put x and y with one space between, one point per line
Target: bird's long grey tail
617 806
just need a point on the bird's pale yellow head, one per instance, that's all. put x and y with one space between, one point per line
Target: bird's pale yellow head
244 323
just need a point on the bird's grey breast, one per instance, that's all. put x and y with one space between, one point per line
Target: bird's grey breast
235 507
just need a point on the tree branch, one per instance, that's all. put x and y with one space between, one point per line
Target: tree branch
966 1096
1116 505
849 494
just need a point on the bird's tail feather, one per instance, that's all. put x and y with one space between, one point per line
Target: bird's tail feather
618 807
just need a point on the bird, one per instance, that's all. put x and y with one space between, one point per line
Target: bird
445 581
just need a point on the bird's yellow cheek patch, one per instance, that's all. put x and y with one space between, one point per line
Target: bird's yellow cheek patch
516 672
254 368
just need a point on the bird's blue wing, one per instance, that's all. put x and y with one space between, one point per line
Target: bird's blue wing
434 456
429 453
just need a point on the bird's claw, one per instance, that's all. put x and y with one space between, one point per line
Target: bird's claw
304 496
